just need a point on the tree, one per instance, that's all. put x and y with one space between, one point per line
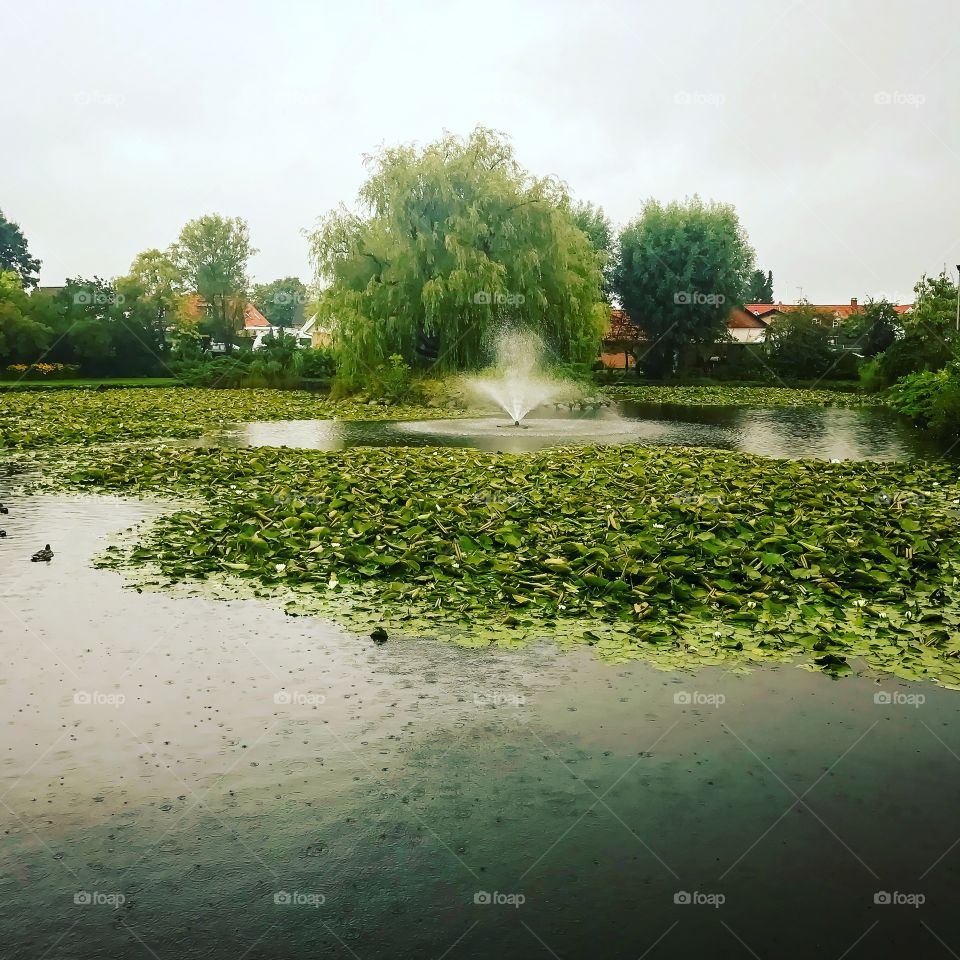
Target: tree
874 328
282 301
23 336
451 242
761 287
680 269
211 257
106 332
14 254
798 343
934 312
594 223
153 277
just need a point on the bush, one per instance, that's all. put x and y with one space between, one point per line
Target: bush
930 398
392 381
317 364
912 354
41 371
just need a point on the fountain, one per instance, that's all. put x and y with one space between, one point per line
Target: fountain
517 382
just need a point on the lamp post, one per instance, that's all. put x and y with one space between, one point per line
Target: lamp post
958 298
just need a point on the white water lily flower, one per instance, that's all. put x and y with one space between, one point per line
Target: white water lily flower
281 567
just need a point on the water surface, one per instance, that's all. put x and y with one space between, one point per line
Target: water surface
256 757
825 433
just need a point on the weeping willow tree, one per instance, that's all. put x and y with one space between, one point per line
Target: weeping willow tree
451 243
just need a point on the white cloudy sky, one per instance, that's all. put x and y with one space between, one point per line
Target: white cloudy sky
830 125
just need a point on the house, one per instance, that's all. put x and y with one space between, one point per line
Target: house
256 326
747 325
320 334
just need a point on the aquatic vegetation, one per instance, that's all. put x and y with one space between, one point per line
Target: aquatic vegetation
720 395
650 553
37 419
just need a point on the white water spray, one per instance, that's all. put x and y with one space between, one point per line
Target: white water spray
517 382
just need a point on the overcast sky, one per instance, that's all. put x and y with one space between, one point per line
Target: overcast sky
829 125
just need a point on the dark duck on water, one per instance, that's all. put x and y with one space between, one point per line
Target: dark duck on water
46 554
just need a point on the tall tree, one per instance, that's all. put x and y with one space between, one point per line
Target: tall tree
15 255
681 267
595 224
281 301
451 242
874 328
211 258
798 342
761 287
24 336
934 312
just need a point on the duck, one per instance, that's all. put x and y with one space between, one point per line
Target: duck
3 509
3 533
44 555
379 635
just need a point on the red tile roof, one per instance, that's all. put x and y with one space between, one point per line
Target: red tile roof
253 318
841 310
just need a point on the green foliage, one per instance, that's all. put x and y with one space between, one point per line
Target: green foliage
39 419
317 364
735 396
643 553
915 352
680 269
23 337
760 289
105 332
15 254
453 241
211 257
798 345
596 225
282 301
934 313
392 381
931 398
873 329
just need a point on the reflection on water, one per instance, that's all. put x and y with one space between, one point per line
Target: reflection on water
254 755
823 433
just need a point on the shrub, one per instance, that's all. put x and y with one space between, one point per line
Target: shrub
930 398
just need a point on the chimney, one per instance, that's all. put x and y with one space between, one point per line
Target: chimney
853 302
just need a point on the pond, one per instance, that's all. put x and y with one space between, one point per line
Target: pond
187 776
258 785
825 433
